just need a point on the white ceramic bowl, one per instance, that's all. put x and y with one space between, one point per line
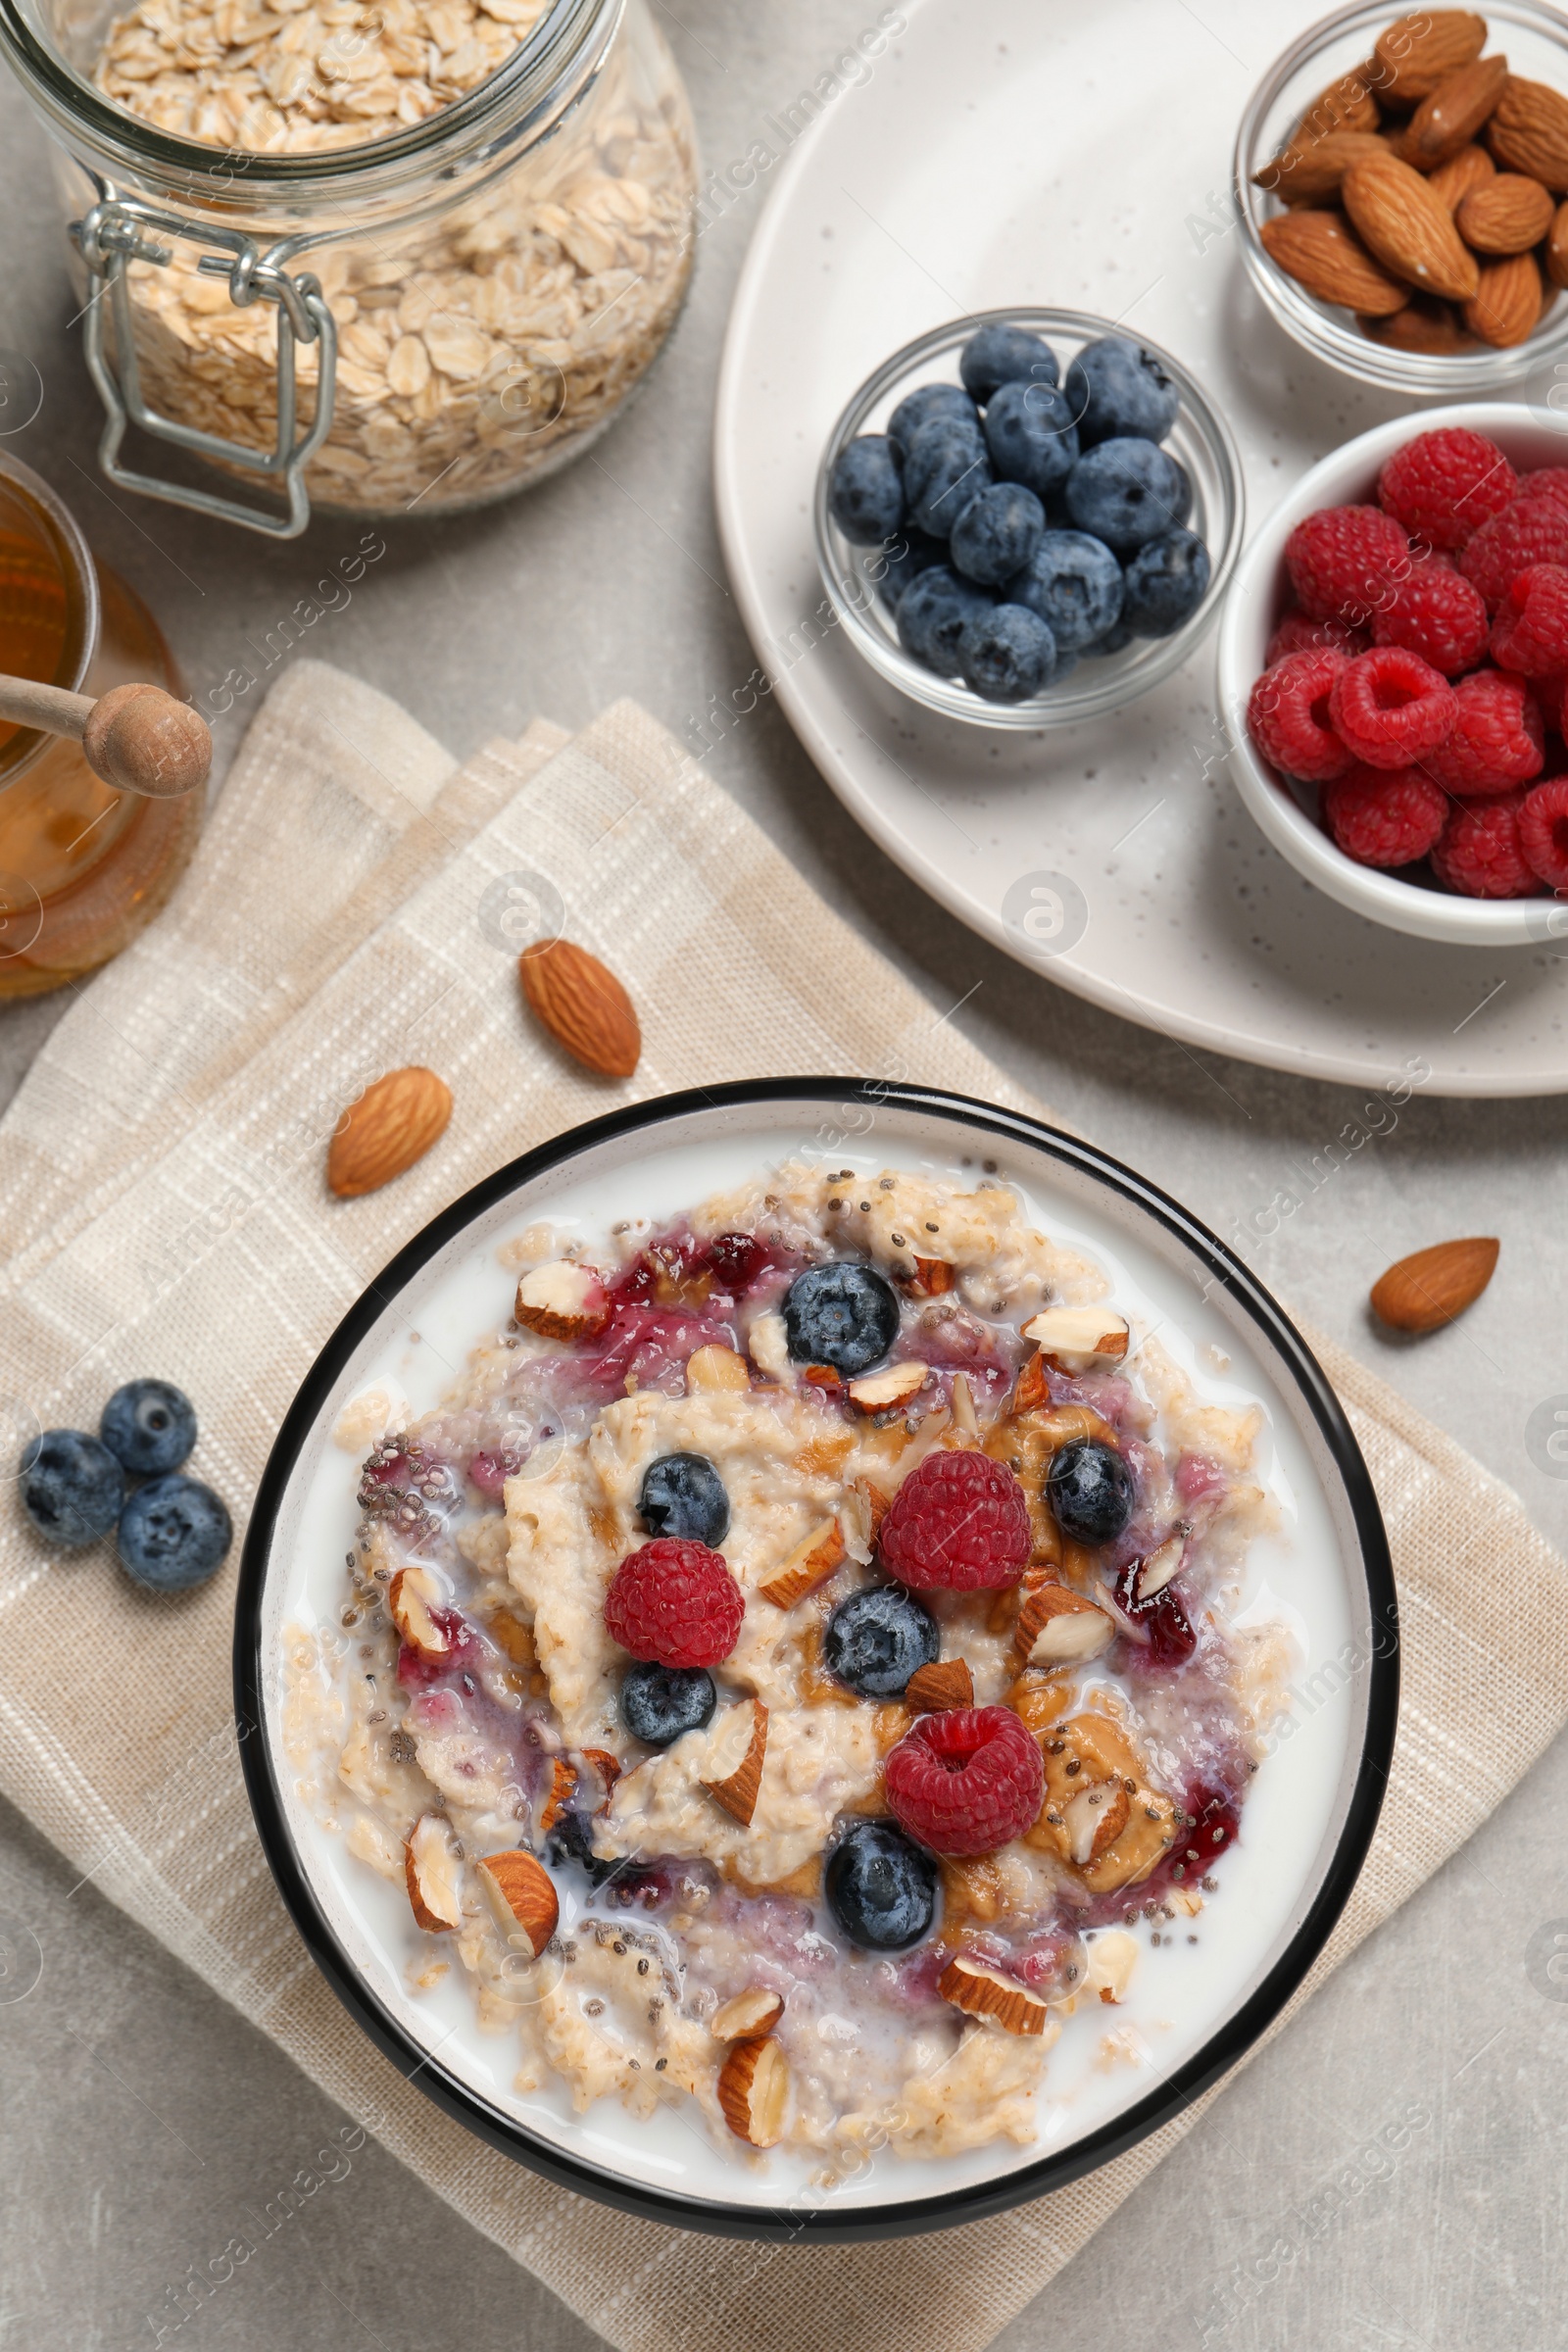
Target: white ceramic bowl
1260 594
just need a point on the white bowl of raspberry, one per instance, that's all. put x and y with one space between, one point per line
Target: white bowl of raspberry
1390 671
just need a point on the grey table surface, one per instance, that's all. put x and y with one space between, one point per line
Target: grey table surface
1389 2176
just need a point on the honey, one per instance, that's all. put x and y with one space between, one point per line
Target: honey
82 868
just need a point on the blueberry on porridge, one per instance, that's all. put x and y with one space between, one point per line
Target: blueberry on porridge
792 1658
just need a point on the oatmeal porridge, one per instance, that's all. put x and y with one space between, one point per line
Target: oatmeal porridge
800 1670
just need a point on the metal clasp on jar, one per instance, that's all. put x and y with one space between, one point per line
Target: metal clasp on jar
121 229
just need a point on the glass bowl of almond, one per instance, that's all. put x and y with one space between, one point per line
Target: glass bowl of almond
1403 184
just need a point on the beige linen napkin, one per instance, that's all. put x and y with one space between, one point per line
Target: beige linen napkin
215 1256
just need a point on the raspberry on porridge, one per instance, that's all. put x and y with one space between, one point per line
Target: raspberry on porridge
781 1686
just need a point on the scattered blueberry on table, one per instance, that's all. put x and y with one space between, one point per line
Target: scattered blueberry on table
72 1486
1022 519
172 1531
149 1426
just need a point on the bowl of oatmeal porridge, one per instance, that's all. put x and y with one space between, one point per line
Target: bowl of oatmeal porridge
822 1659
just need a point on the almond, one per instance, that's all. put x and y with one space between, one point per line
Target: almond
1506 304
562 1782
965 1419
977 1988
1455 111
1529 133
816 1557
933 1689
394 1123
1556 257
1424 324
737 1791
583 1005
877 1506
1345 105
1112 1957
512 1636
1428 1289
754 2088
755 2011
608 1768
1322 252
561 1302
1159 1567
431 1869
1030 1390
1419 51
409 1599
1094 1819
523 1899
1079 1332
1056 1627
711 1370
934 1276
1307 174
894 1384
1506 214
1408 228
1453 180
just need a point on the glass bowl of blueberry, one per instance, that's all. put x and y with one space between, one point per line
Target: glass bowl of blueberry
1025 518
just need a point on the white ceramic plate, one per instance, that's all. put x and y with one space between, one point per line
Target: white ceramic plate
1077 157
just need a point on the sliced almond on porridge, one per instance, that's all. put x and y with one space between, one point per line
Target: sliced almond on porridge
1145 1841
563 1783
877 1504
561 1302
1094 1819
934 1276
895 1383
1160 1567
965 1424
980 1990
1078 1333
410 1596
523 1899
710 1370
432 1870
755 2011
737 1790
814 1560
512 1635
1112 1957
933 1689
608 1768
754 2089
1031 1389
1058 1627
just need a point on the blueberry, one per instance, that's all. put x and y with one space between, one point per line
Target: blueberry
1112 641
571 1840
997 533
900 560
1008 654
867 492
844 1315
1006 355
1031 436
1074 584
876 1638
1125 492
944 466
149 1426
931 400
881 1886
1117 387
683 1494
172 1534
1090 1491
72 1486
933 613
1166 582
660 1702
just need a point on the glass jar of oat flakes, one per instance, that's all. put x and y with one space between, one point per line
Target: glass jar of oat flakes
385 255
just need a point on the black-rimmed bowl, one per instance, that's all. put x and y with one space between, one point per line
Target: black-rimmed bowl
1312 1807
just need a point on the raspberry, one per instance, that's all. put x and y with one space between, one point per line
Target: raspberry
675 1603
1344 561
1480 853
967 1781
1385 817
1444 485
958 1522
1533 530
1296 634
1548 481
1287 717
1543 831
1496 741
1531 631
1391 707
1437 613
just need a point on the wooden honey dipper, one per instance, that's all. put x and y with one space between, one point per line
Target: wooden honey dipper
135 738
